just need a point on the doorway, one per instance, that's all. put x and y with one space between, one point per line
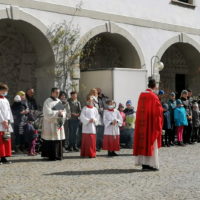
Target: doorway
180 83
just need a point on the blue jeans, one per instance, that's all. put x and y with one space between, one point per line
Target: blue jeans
73 132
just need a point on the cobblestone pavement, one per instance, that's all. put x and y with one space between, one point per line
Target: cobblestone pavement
102 178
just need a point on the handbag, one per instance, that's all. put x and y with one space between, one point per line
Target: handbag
7 135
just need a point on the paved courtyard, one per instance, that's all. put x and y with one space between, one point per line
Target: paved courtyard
103 178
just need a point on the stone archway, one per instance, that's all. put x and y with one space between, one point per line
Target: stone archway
26 57
181 59
117 58
121 39
110 51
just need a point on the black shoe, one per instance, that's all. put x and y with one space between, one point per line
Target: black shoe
153 169
145 167
5 161
110 154
92 156
52 159
98 149
58 158
76 149
190 142
114 154
181 144
148 168
70 149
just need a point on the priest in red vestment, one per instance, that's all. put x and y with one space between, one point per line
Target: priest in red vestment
148 129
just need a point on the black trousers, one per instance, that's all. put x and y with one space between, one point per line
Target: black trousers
187 134
168 137
99 136
196 134
172 134
52 149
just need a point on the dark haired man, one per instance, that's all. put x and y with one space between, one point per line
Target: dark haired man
148 128
32 105
53 133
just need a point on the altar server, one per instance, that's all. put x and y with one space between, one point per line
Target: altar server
89 118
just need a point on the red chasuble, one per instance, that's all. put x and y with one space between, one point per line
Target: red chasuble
148 125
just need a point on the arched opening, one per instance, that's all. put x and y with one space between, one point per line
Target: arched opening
182 68
26 58
112 64
107 50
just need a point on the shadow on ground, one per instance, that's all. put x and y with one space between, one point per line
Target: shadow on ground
95 172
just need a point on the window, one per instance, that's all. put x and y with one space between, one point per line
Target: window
186 3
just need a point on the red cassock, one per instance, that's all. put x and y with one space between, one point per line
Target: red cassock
88 145
111 143
5 146
148 125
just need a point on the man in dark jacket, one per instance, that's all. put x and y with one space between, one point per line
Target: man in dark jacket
32 104
74 122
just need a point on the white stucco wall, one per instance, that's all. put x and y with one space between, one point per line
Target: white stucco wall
149 40
156 10
118 84
128 84
150 23
153 11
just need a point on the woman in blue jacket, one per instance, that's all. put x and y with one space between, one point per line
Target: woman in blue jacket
180 120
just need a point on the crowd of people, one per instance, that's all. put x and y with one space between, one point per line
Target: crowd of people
181 120
100 124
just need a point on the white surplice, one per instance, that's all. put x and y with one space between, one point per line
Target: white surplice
5 114
86 115
50 130
108 118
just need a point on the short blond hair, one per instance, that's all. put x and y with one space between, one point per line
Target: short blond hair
92 91
21 93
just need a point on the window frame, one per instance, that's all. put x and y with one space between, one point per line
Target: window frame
191 3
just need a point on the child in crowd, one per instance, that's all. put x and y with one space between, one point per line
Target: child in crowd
20 111
130 124
195 123
167 124
89 118
33 136
180 119
121 111
112 121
